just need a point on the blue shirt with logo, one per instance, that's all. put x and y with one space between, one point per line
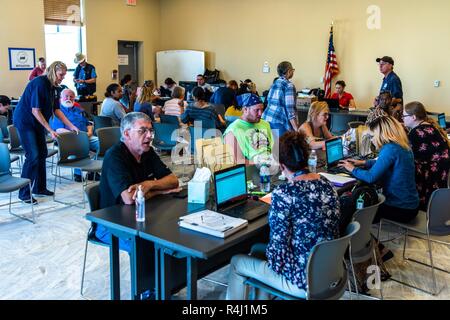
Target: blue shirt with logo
74 115
39 93
393 84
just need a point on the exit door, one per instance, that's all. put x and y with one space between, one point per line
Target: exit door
128 52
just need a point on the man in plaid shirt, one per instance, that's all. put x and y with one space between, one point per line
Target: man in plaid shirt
282 100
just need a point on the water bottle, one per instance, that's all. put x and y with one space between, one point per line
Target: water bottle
140 206
264 179
312 162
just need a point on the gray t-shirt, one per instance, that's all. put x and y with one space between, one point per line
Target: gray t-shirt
113 109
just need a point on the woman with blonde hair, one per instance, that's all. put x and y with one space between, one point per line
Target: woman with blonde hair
39 102
431 149
394 169
315 128
144 101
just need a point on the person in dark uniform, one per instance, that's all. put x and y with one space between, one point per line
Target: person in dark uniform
391 81
85 76
38 103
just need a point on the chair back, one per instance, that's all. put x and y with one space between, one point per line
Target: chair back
361 241
169 119
326 271
72 147
102 122
5 161
163 135
439 212
93 196
4 126
14 141
107 137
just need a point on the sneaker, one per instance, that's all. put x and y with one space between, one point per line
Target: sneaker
97 177
77 178
93 176
44 193
28 201
148 295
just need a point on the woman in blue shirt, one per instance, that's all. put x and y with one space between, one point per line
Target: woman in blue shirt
394 169
38 103
304 212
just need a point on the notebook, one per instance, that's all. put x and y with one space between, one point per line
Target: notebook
232 197
212 223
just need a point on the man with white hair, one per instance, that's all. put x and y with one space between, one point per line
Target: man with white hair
79 119
132 163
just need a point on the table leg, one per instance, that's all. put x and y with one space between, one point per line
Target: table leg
191 277
157 274
114 268
165 276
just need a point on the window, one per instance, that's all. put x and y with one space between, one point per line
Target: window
63 34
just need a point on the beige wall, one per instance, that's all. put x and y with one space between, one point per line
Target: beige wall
108 21
14 33
239 36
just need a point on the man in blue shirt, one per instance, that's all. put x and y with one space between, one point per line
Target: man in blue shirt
78 118
281 110
85 77
391 81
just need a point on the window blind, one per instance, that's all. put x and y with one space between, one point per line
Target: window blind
63 12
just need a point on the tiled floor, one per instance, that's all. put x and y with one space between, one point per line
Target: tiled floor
43 261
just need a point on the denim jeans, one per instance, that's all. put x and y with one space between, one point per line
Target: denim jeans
277 131
34 167
255 266
105 236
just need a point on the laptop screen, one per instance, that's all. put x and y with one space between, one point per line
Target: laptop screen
230 184
335 150
442 122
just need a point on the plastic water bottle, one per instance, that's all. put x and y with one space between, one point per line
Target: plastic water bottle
312 162
264 179
140 206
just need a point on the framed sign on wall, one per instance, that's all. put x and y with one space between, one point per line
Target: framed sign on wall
22 58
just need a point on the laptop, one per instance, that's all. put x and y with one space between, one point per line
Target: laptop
442 121
231 195
335 153
333 104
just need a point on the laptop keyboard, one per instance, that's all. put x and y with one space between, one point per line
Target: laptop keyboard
337 170
250 211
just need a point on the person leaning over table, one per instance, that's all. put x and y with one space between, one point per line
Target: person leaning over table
129 164
346 99
315 127
394 169
304 212
37 105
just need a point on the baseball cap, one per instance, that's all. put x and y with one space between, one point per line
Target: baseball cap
386 59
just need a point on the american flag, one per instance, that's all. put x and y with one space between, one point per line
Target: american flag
331 68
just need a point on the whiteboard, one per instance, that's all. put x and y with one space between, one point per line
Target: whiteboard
180 65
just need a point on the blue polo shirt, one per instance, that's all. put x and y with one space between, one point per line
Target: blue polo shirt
39 93
392 84
74 115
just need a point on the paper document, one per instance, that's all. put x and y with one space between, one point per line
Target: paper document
213 223
337 180
267 199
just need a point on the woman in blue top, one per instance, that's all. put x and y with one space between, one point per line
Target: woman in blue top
394 169
38 103
304 212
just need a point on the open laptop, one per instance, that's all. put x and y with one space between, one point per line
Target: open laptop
335 153
333 104
231 195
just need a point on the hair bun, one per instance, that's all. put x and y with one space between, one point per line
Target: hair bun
375 114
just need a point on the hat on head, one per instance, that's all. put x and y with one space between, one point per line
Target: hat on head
248 100
386 59
79 57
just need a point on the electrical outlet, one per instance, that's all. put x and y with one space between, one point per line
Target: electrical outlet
437 83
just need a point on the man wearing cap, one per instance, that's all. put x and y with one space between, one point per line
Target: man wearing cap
391 81
85 77
281 110
249 136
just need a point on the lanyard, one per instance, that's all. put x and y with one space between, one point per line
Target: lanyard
301 172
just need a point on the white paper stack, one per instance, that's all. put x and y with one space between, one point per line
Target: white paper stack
337 180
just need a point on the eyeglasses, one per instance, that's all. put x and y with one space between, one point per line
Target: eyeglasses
143 131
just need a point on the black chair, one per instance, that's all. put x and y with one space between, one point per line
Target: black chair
73 153
9 184
169 119
107 137
102 122
326 271
4 129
